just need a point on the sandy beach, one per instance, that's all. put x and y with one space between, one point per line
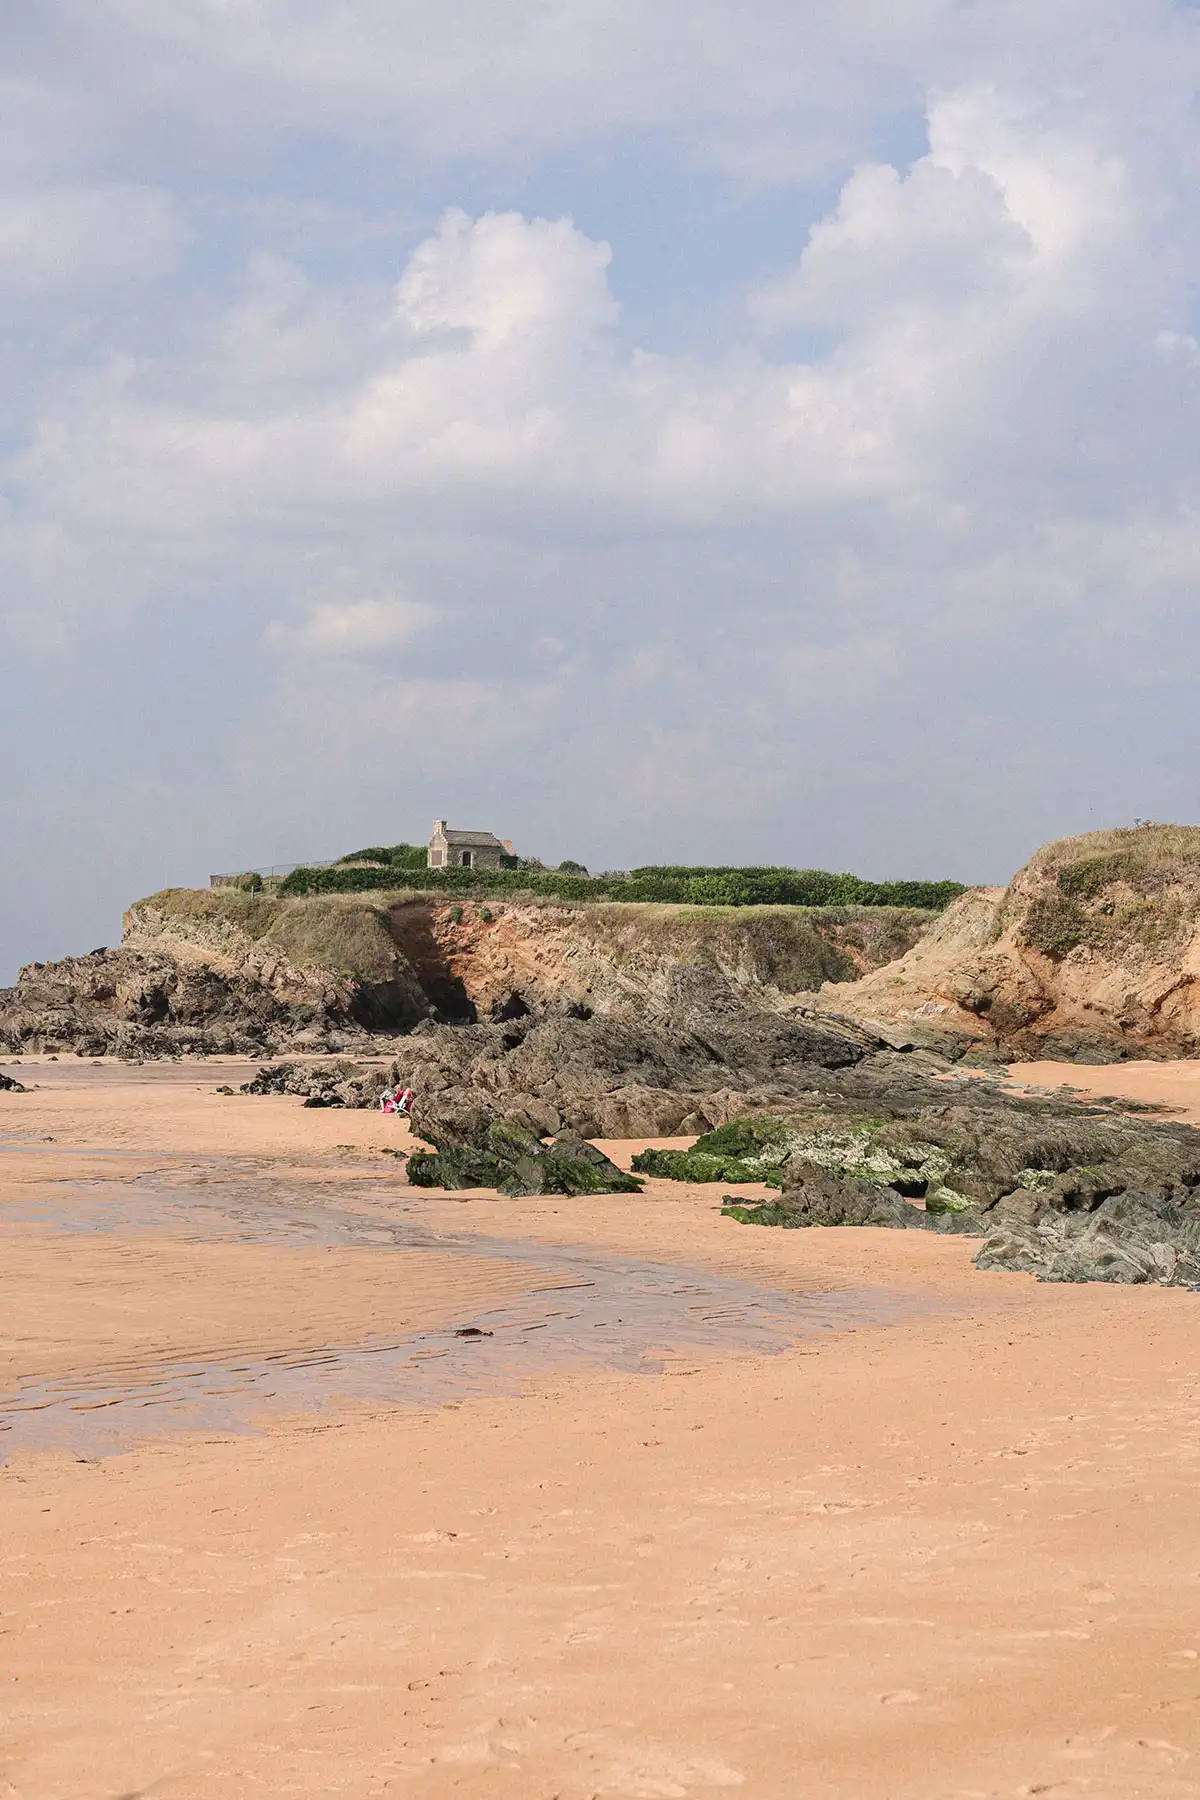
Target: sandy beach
316 1484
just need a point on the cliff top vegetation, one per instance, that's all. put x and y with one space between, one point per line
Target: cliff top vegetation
677 884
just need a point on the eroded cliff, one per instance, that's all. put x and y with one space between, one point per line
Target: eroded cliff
1092 952
220 970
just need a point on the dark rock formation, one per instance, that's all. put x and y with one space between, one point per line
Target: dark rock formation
517 1163
825 1199
341 1083
1063 1190
1130 1237
606 1077
144 1003
9 1085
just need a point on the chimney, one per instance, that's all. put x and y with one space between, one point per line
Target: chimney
439 825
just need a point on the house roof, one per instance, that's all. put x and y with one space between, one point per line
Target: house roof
483 840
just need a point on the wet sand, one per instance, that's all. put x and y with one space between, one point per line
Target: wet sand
1173 1084
822 1514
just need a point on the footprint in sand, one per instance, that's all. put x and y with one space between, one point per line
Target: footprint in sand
647 1772
1164 1750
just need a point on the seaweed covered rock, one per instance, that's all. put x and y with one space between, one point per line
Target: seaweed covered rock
825 1199
1130 1238
783 1152
742 1150
1069 1191
508 1158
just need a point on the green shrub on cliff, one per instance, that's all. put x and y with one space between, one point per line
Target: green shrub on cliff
1055 925
676 886
390 856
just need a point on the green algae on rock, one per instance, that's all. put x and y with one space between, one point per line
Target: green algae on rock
762 1149
512 1161
1068 1195
743 1150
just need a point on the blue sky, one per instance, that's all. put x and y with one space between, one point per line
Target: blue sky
708 432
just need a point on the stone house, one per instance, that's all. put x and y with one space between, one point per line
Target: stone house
468 849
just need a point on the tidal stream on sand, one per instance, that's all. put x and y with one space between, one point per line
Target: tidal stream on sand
594 1310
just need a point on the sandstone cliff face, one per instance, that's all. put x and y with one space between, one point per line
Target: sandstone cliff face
223 971
505 960
1092 953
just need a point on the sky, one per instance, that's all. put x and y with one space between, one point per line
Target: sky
729 431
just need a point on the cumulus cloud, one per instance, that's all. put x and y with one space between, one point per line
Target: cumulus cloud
505 278
969 299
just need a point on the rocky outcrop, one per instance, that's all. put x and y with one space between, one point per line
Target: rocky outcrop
9 1084
221 972
697 1064
515 1162
169 999
706 1059
227 971
1067 1191
341 1083
470 1150
1092 953
1130 1237
854 1132
825 1199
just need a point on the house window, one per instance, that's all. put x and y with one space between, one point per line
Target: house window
467 859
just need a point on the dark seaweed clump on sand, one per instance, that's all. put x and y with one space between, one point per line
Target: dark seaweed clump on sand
512 1161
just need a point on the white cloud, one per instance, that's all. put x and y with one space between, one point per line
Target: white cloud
1067 196
506 278
482 77
1178 347
972 302
922 242
1000 218
937 487
756 86
491 400
61 240
353 628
